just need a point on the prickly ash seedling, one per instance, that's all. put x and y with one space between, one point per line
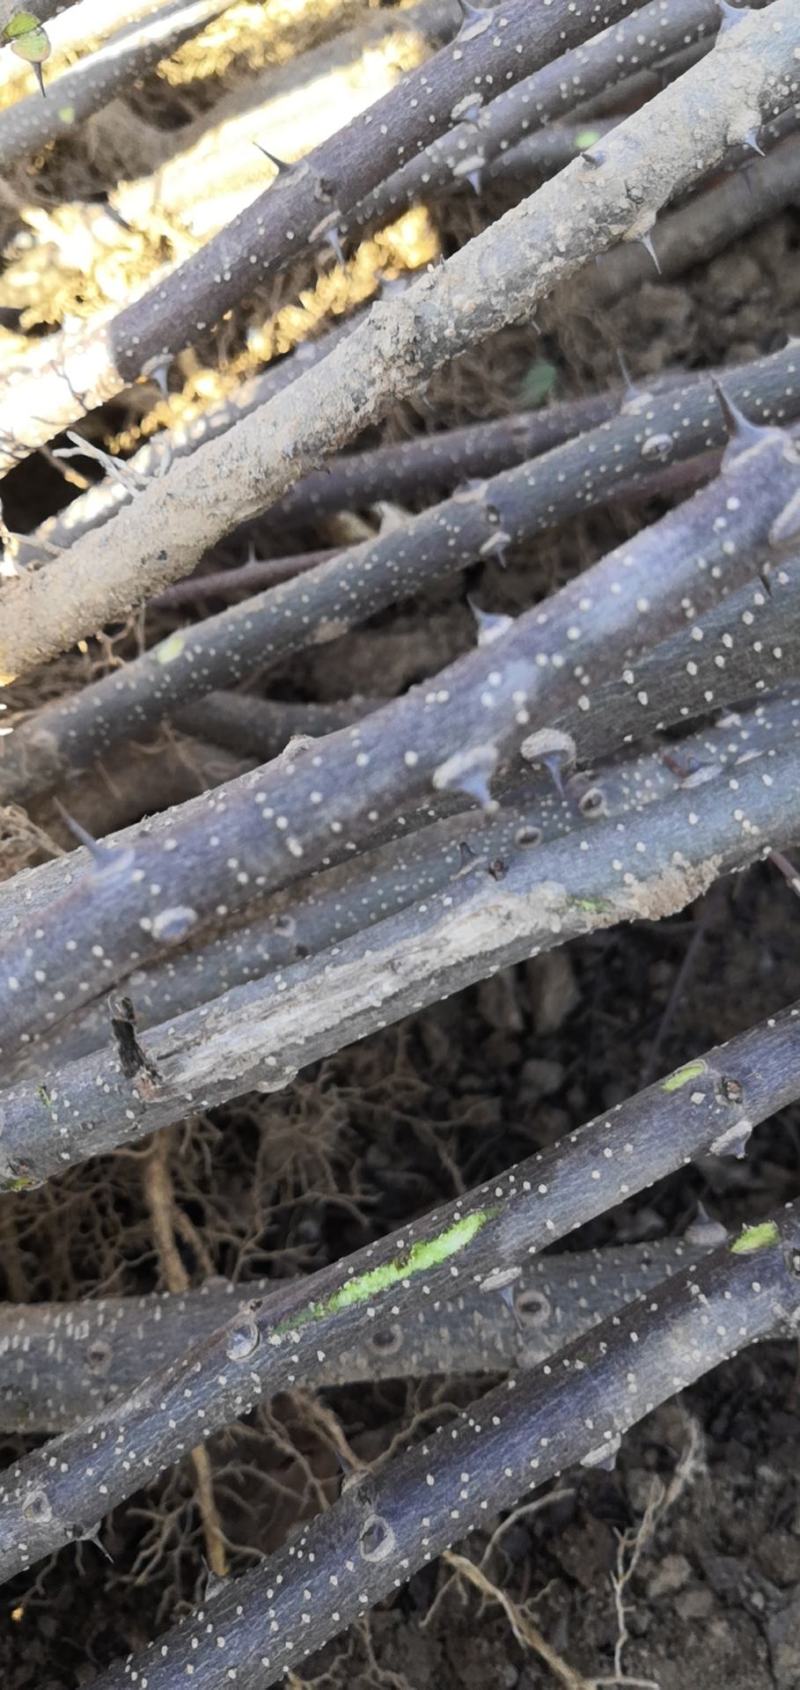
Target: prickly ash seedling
328 908
485 132
425 465
505 270
64 1362
272 826
697 550
100 502
530 1428
51 1495
744 646
305 203
623 867
761 731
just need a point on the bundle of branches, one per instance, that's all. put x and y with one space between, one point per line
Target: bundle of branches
602 749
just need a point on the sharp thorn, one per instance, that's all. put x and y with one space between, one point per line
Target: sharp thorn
734 1142
631 390
554 762
647 243
333 241
741 431
491 625
497 546
97 850
156 370
730 15
103 856
92 1535
554 751
751 142
280 163
605 1455
474 20
214 1584
470 772
475 784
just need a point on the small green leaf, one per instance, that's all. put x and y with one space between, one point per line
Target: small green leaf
25 36
33 47
755 1238
682 1076
20 23
587 138
169 649
538 383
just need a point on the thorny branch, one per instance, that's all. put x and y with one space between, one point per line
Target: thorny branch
301 207
497 279
63 1362
51 1498
702 547
490 916
357 1553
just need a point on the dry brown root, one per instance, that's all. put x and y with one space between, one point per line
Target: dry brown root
161 1205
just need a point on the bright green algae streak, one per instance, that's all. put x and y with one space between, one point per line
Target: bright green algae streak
682 1076
428 1253
755 1238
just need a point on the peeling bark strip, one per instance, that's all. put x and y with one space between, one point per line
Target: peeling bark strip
753 72
73 97
701 549
260 1035
62 1362
492 50
351 898
61 1491
359 893
524 1432
272 826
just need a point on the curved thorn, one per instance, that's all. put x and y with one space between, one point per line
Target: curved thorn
741 431
647 243
491 624
730 15
280 163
